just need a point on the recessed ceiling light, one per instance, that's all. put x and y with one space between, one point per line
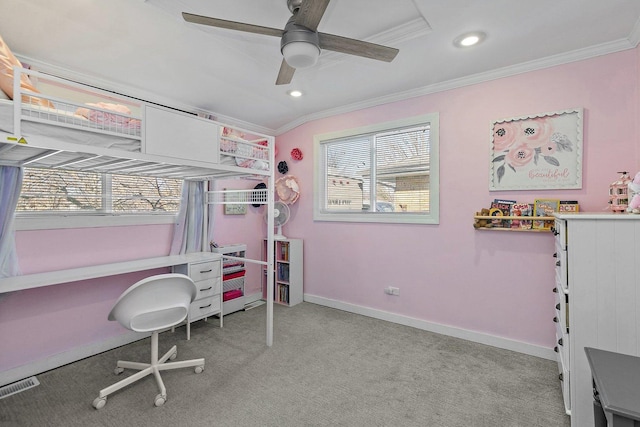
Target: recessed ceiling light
295 93
469 39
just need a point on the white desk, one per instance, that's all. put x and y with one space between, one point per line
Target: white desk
199 263
48 278
201 308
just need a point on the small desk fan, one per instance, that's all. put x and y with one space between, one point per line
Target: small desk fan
281 215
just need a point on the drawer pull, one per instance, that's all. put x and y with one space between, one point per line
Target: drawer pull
206 289
555 290
205 306
557 263
558 306
555 349
555 319
206 271
560 341
560 377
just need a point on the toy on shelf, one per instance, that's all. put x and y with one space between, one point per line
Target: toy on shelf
482 222
634 195
618 193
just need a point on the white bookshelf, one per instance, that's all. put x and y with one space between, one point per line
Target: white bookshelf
288 272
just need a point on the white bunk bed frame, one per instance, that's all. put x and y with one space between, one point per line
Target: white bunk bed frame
25 141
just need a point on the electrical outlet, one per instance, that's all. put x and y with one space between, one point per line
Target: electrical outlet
390 290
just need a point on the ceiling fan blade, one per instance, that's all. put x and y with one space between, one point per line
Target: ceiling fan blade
286 73
310 13
231 25
357 47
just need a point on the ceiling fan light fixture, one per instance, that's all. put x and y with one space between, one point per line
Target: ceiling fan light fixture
300 46
301 54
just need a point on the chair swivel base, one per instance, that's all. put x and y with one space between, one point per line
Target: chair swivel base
156 365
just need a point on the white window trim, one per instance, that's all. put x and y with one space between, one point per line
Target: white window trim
433 217
60 221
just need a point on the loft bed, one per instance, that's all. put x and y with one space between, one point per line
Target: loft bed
78 127
58 124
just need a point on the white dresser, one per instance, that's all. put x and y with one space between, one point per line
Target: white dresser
597 292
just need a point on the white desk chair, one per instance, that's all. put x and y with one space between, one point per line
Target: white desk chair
152 305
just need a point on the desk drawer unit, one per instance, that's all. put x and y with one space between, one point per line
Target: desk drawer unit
207 275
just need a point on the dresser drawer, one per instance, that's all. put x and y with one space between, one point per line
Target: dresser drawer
560 260
208 288
562 346
204 307
562 309
564 375
560 233
204 270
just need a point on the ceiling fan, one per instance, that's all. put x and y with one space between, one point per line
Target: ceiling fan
300 42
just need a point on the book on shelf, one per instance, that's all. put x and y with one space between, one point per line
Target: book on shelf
282 293
568 206
284 251
524 210
500 207
544 207
283 272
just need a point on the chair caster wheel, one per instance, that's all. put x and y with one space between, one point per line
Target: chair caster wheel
118 371
173 356
160 399
199 369
99 402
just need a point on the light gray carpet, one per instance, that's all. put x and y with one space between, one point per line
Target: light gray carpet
326 368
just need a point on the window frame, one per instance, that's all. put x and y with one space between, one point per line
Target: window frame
105 217
320 171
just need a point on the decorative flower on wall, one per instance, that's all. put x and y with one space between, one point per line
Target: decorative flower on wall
518 143
296 154
283 168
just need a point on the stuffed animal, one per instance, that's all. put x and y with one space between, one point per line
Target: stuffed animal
634 195
481 222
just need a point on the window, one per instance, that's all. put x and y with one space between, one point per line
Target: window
70 192
381 173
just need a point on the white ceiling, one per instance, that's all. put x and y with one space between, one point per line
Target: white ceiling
144 48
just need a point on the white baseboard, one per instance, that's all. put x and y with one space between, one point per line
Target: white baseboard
60 359
479 337
248 299
55 361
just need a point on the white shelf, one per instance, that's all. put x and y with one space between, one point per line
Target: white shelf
231 255
288 272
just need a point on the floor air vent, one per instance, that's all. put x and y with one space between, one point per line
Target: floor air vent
19 386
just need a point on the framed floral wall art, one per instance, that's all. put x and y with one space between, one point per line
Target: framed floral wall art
536 152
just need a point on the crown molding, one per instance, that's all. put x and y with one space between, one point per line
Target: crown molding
634 36
551 61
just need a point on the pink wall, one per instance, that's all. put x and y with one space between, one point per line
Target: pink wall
491 282
38 323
